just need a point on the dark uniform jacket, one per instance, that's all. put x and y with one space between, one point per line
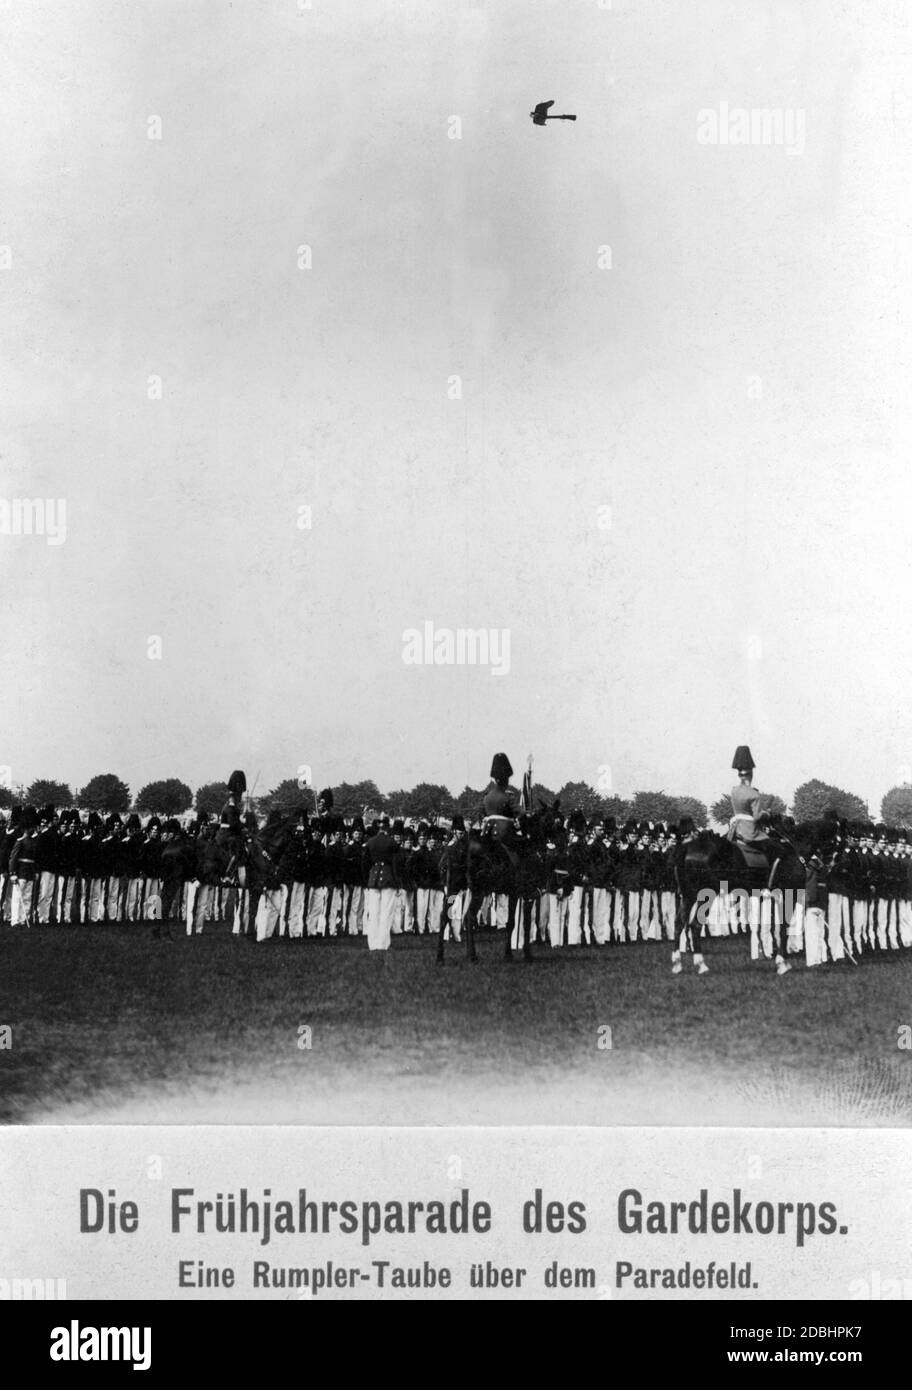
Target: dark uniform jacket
453 872
380 853
24 857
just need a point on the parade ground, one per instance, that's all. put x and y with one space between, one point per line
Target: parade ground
106 1024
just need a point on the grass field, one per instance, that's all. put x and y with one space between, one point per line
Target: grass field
111 1025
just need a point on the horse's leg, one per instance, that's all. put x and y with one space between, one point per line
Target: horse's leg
511 913
443 926
694 942
527 928
468 926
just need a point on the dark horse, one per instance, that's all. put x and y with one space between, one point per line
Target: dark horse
514 869
710 864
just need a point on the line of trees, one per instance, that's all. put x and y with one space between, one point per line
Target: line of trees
170 796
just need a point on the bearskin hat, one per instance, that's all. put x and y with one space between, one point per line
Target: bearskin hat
742 761
237 784
326 797
501 771
458 822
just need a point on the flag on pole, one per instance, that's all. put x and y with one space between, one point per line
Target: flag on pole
525 800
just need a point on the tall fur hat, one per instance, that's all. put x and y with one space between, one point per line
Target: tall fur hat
742 761
326 797
501 771
237 784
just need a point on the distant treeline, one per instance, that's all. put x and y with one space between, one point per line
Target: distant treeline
170 796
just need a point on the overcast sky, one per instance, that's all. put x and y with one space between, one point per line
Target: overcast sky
734 388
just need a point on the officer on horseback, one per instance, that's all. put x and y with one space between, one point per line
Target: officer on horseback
500 809
745 800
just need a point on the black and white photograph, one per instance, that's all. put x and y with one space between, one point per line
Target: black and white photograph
454 545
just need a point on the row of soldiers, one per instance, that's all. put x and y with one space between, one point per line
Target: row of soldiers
319 874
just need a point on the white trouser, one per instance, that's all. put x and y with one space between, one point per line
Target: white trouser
455 904
23 896
67 891
381 905
271 912
47 883
422 908
151 899
114 902
837 925
404 915
905 921
241 912
133 899
316 910
859 923
93 907
601 914
632 915
193 890
815 942
297 901
353 922
557 913
576 913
